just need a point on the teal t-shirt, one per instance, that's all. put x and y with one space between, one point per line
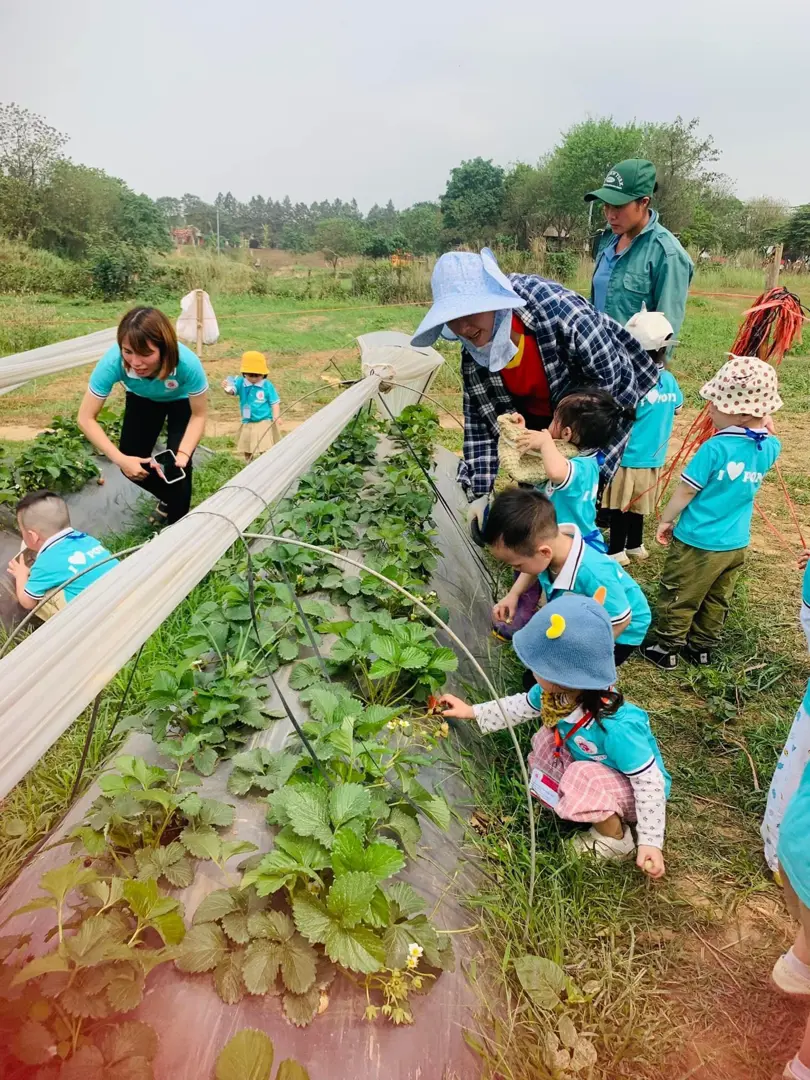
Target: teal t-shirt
793 833
187 380
574 499
655 414
256 400
63 555
726 473
586 571
623 741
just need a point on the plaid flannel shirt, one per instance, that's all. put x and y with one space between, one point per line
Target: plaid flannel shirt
579 347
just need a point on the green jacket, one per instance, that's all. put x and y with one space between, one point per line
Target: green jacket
655 270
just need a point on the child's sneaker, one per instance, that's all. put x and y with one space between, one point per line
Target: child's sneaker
701 657
621 558
639 553
791 976
592 842
663 658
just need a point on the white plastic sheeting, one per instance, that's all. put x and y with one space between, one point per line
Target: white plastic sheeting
390 355
51 359
187 322
51 676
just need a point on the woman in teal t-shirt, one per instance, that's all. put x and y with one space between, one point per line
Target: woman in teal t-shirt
165 384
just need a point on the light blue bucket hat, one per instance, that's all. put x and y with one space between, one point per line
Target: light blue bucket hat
464 283
569 642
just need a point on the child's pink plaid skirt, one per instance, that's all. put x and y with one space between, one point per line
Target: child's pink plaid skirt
589 790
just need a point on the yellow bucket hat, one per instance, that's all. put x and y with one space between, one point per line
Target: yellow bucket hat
254 363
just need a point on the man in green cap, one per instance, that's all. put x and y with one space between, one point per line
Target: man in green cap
638 261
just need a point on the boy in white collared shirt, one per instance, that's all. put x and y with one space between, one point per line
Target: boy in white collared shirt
713 506
64 556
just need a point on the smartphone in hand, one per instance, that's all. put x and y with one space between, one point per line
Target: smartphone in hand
167 468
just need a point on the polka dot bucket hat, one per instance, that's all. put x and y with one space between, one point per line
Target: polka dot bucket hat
744 384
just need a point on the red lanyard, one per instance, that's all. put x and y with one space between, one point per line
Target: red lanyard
560 741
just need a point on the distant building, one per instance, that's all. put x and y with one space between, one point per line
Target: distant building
188 235
555 238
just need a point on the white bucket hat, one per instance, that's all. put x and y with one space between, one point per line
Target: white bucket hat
744 384
651 329
464 283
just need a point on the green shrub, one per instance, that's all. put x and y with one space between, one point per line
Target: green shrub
561 266
25 270
115 267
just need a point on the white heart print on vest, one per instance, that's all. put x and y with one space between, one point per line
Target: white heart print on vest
653 395
734 469
78 559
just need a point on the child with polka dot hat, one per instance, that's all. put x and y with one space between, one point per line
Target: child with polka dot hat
707 523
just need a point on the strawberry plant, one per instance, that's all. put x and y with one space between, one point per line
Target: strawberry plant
249 1056
58 1007
416 428
340 481
251 949
220 708
322 521
150 824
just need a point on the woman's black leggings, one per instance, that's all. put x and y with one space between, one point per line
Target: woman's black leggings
626 530
143 423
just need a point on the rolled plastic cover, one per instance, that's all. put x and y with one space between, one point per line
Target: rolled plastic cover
389 355
51 359
53 675
187 322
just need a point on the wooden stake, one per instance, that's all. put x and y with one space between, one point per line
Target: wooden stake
772 276
200 322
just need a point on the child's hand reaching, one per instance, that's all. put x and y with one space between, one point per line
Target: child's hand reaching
526 440
663 534
804 558
651 861
455 708
504 610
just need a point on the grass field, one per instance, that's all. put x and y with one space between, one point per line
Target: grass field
682 965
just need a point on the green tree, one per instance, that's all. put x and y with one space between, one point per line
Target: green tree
82 207
29 149
472 203
171 208
797 233
527 203
683 163
579 164
295 238
421 227
338 238
764 221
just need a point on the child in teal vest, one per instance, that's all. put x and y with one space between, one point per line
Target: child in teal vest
589 419
633 491
707 523
259 405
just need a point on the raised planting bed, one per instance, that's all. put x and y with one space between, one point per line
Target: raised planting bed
231 872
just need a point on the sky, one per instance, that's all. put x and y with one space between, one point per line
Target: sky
375 100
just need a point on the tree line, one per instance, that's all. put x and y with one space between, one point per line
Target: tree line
48 201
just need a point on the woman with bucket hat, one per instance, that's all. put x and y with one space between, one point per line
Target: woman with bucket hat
638 262
525 342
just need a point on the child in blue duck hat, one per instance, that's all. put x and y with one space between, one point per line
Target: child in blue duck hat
594 758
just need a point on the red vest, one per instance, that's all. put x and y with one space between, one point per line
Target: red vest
525 377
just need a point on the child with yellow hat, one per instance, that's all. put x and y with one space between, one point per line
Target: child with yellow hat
259 404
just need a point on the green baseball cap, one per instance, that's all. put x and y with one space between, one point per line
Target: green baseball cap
629 180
